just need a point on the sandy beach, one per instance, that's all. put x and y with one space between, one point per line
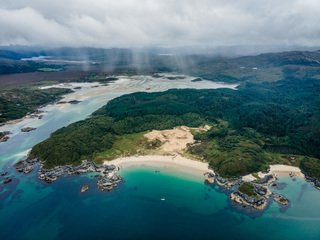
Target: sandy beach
192 166
283 170
174 141
177 162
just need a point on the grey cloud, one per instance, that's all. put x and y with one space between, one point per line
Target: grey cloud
144 23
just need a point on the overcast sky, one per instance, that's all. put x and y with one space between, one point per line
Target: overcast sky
159 23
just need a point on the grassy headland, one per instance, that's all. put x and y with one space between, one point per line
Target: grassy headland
248 189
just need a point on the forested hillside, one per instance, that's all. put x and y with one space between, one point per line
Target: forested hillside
259 124
16 103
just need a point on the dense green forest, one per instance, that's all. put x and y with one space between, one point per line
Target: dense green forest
16 103
273 117
8 66
259 124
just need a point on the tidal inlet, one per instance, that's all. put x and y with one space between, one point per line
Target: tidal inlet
159 120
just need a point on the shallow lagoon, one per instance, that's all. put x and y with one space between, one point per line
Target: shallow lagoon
31 209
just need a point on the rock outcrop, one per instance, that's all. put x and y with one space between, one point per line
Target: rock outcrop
260 189
26 165
209 177
4 136
85 188
314 181
106 182
7 181
242 198
27 129
229 182
266 180
28 169
281 199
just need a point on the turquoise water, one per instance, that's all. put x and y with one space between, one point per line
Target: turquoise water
32 209
134 210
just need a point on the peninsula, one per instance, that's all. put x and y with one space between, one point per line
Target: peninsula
264 122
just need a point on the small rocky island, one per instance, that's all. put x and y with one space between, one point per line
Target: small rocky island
74 102
4 136
85 188
197 80
281 199
71 102
107 180
314 181
27 129
253 193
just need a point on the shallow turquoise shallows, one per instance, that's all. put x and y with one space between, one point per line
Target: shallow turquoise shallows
136 209
150 202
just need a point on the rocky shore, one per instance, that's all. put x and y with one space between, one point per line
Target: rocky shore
260 194
106 181
281 199
314 181
253 192
242 198
27 129
37 114
71 102
85 188
4 136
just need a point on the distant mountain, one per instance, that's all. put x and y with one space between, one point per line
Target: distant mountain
257 68
294 58
10 55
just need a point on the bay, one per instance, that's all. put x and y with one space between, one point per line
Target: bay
32 209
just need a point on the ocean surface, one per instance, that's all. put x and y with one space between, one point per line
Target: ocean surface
32 209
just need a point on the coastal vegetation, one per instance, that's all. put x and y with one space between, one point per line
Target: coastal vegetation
248 189
16 103
10 66
273 117
257 125
126 145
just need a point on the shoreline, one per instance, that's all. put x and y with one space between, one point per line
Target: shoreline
194 166
109 178
283 170
174 162
123 85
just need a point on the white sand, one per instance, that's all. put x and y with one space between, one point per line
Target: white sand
126 84
173 140
192 166
248 178
176 162
89 90
283 170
